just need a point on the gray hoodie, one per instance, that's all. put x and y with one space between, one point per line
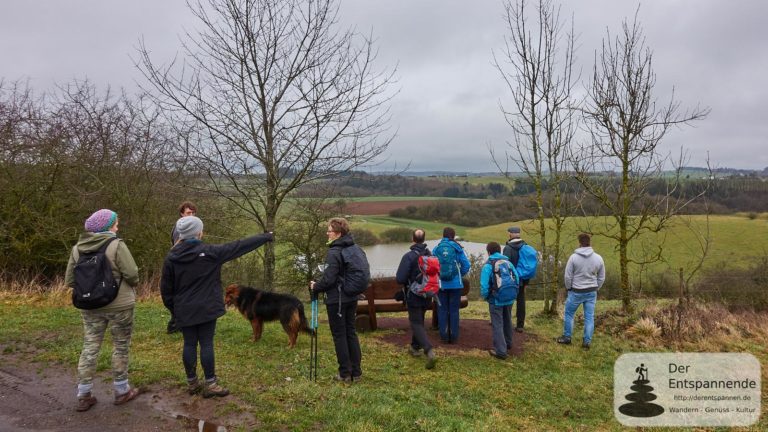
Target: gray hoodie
585 271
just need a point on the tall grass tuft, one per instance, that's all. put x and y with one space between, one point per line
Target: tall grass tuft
646 331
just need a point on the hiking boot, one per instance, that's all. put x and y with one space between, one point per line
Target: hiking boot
357 378
340 378
194 387
564 340
585 345
519 329
214 389
414 351
493 353
85 402
127 396
431 359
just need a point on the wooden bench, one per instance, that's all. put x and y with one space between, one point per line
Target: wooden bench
380 297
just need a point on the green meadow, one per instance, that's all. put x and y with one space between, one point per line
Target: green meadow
549 387
734 241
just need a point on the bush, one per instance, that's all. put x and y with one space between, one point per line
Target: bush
397 235
738 289
364 237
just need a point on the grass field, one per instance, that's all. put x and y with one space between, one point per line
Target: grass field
550 387
378 224
736 241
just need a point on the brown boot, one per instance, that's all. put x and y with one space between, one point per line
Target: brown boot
214 389
194 387
127 396
85 402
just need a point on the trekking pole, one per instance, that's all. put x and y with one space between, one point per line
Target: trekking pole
313 338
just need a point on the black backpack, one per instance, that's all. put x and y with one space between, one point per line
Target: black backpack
356 271
95 285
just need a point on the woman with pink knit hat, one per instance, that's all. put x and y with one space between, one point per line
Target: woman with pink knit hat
100 230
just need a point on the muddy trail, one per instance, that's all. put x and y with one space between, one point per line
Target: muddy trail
41 398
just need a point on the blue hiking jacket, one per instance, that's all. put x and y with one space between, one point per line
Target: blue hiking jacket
461 260
485 282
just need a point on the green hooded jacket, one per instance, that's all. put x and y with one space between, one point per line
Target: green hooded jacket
123 268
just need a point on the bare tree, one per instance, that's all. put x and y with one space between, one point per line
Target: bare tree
537 65
626 126
280 98
75 149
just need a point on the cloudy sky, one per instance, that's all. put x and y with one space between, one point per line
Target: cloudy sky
446 111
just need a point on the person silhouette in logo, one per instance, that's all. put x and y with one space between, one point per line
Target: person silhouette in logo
641 371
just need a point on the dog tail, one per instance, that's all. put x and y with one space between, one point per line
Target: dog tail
303 324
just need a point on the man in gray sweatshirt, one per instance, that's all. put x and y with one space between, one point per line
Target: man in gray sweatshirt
584 275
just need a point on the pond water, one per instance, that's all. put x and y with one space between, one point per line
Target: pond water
384 258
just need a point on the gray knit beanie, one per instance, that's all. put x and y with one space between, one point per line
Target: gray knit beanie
189 227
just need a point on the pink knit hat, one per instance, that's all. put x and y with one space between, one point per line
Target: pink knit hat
100 221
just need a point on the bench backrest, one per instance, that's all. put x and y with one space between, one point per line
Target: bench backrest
387 287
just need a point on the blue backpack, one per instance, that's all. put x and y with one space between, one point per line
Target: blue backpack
446 254
527 262
504 282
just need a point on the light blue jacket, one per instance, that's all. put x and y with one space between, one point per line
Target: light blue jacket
485 278
461 261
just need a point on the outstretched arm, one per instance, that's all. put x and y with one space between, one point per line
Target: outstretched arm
236 249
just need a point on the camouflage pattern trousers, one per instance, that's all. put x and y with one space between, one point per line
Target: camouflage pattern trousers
95 326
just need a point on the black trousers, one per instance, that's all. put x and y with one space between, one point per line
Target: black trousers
520 311
416 318
202 335
345 338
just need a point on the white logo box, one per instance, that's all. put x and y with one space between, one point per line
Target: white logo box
686 389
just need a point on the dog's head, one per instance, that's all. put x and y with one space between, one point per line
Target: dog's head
231 295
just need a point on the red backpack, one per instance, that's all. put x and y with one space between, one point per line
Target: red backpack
430 284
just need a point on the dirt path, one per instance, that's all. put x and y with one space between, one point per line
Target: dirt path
474 334
39 398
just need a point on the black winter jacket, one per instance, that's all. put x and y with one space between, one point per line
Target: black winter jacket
191 281
408 271
333 276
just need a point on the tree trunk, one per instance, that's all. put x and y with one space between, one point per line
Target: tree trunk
269 248
626 300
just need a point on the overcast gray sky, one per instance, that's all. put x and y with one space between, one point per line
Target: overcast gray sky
713 52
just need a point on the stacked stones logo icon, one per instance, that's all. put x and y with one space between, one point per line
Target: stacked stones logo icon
640 399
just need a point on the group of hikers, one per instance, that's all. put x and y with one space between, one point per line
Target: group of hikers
191 290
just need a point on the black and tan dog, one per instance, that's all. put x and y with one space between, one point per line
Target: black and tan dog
258 306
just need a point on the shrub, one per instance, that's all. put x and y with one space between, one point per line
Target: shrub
364 237
736 288
397 235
